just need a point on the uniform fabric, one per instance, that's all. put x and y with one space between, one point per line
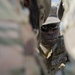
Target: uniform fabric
57 57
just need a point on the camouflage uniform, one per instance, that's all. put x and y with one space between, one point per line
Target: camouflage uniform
55 57
11 49
17 42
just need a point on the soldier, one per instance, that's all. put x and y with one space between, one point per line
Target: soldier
52 47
